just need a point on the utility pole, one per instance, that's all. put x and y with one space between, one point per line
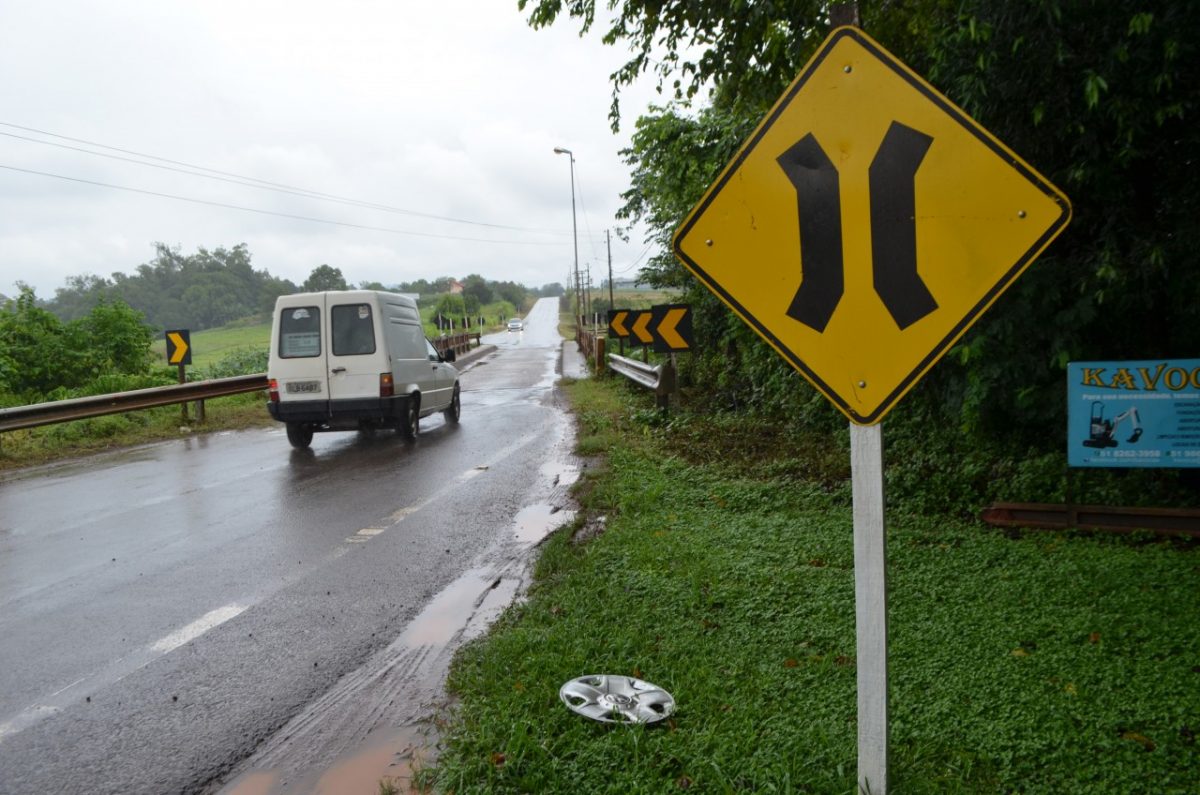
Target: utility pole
608 243
558 150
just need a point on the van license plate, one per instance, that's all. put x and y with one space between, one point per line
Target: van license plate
294 387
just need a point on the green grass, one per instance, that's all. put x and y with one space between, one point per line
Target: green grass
638 299
1039 663
212 345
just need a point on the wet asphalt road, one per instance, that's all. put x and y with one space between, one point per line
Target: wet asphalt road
166 609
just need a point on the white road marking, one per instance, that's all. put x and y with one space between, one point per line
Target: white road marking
203 624
371 531
399 515
25 719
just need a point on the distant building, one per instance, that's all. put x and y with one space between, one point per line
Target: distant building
629 284
456 287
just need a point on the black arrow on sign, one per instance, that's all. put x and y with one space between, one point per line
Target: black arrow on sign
819 198
894 226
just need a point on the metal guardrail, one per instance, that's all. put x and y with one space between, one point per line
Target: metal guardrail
460 343
97 405
659 378
1166 521
592 342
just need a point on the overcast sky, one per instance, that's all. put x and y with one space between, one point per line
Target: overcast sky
448 108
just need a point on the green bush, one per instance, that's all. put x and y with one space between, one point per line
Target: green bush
246 361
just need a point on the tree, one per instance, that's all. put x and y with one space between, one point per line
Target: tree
40 352
118 338
477 287
1099 96
324 277
199 290
451 306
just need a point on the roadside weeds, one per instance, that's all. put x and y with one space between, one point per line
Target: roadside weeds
1041 663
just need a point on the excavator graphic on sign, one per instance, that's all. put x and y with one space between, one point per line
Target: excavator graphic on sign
1101 431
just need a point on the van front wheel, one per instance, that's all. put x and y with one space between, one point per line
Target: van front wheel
410 422
299 434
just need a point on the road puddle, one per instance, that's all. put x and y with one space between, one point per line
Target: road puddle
390 759
561 474
535 522
317 752
386 759
457 607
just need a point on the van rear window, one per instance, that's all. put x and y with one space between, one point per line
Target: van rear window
300 332
353 330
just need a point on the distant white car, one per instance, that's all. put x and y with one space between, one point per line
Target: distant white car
516 324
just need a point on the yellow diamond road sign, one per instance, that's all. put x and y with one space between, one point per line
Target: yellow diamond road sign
866 224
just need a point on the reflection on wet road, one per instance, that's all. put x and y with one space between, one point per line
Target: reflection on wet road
166 610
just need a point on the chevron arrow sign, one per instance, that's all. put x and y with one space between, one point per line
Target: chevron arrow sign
666 328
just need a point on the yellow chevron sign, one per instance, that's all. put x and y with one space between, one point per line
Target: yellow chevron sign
179 347
667 327
617 318
640 330
672 328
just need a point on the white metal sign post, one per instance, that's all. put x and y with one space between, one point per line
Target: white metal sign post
870 606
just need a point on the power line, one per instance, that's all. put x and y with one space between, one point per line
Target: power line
638 260
239 179
272 212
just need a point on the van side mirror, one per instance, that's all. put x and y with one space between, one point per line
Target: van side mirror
449 355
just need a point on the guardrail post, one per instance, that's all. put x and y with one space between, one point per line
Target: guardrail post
200 411
601 343
666 385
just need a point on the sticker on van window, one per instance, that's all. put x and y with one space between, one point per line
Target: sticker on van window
300 345
364 312
300 314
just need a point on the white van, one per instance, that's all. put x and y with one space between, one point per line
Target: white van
355 359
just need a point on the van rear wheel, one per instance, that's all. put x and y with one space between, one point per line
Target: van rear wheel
454 410
411 421
299 434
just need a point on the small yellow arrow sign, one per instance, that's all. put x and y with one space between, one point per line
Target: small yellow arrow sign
617 322
640 328
667 329
178 349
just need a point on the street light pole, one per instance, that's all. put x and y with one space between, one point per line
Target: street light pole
558 150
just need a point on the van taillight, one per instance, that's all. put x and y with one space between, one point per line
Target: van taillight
386 387
273 393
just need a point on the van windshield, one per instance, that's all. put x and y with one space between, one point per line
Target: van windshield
300 332
353 330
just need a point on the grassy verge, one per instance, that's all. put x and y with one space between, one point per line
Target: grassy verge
212 345
566 326
70 439
1038 663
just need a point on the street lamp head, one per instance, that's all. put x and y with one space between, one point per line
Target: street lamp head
558 150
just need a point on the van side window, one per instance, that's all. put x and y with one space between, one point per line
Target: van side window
300 332
353 330
431 352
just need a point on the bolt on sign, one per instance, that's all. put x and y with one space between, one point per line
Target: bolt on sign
179 346
866 224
